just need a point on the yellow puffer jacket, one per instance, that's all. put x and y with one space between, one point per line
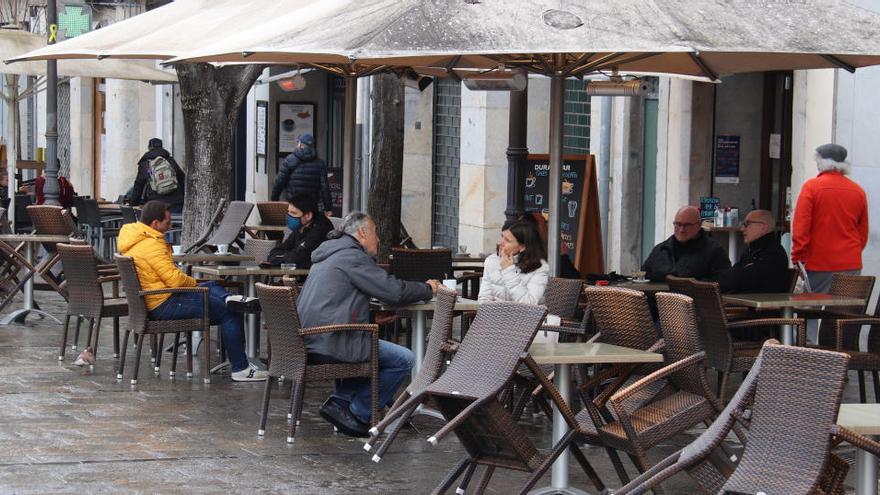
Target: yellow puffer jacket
152 258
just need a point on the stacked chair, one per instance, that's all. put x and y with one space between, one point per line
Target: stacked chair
225 226
51 220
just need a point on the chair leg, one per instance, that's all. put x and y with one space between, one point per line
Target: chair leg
587 467
206 340
122 357
297 390
174 355
137 361
64 338
863 396
115 336
154 341
452 475
466 479
484 480
722 387
76 333
264 408
392 432
618 465
159 352
642 465
189 354
876 380
94 343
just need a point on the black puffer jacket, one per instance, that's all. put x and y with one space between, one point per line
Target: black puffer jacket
142 192
762 268
701 257
298 246
303 172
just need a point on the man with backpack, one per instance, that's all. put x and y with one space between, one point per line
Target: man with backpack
302 172
159 177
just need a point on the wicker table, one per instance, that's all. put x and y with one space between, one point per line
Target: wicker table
863 419
789 303
647 287
562 355
250 273
29 240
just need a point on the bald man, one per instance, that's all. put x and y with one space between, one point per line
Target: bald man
764 265
688 252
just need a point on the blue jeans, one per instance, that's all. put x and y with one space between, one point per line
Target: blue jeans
395 364
189 305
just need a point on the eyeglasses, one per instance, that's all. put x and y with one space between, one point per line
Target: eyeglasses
683 225
748 223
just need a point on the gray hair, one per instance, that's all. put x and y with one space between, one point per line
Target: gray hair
350 224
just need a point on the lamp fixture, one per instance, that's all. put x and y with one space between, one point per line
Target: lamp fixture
495 81
414 80
618 87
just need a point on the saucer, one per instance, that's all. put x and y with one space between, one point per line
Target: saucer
640 281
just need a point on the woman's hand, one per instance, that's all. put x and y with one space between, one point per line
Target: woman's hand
506 259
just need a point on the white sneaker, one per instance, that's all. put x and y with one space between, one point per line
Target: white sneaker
250 374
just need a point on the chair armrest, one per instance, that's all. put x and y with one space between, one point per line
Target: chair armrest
468 276
856 440
109 278
660 374
571 330
373 329
175 290
841 324
762 322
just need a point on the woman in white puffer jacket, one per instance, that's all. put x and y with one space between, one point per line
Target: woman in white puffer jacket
519 271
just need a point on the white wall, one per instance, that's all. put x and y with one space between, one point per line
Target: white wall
673 151
418 136
82 135
130 123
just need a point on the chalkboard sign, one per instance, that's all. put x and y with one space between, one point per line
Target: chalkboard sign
334 176
577 195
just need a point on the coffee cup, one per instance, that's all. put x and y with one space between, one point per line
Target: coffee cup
288 266
222 248
451 284
553 320
177 249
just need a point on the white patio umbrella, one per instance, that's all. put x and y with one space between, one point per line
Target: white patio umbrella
558 38
16 42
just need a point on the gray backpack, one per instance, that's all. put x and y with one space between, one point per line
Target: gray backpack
163 178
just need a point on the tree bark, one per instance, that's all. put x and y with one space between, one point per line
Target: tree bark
386 164
210 99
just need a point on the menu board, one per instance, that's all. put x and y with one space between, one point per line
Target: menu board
334 177
577 180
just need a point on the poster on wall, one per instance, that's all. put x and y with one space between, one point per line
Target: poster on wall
727 159
262 115
294 120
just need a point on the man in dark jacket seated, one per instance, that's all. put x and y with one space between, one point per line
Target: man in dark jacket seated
688 252
343 278
764 265
308 229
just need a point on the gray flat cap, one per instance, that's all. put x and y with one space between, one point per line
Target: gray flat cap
831 151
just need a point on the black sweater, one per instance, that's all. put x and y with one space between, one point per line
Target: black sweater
298 246
701 257
762 268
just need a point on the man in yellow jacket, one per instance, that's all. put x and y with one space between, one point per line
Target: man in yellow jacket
144 242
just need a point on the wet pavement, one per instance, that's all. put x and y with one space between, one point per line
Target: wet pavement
66 429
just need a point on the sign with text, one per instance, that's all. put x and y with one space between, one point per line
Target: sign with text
727 149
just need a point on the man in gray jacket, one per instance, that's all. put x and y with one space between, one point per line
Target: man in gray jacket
343 278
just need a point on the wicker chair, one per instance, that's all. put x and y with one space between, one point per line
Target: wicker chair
141 325
848 330
723 355
102 236
129 215
432 366
290 358
657 407
13 264
273 212
86 296
52 220
215 220
259 249
857 286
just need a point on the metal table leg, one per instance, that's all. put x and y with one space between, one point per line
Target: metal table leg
19 315
732 247
866 473
253 323
787 330
559 473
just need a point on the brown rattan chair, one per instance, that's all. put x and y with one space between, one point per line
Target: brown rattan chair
656 407
467 396
723 355
290 358
52 220
848 331
857 286
259 249
140 324
272 212
86 296
432 366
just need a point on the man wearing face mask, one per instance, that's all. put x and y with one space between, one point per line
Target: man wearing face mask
302 172
308 229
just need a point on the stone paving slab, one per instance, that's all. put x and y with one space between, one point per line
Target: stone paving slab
65 429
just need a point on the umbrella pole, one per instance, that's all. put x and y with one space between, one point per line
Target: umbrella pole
51 188
11 152
557 101
348 141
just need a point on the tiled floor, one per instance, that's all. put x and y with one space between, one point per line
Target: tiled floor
65 429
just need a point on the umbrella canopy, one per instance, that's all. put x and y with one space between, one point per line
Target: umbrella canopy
16 42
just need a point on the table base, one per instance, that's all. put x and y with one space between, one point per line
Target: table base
548 490
19 316
866 473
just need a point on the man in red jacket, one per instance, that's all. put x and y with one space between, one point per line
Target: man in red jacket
830 221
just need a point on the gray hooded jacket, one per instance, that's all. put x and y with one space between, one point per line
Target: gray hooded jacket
337 291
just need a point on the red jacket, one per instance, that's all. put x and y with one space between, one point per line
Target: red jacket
830 224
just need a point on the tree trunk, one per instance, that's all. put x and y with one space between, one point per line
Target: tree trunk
386 167
210 98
